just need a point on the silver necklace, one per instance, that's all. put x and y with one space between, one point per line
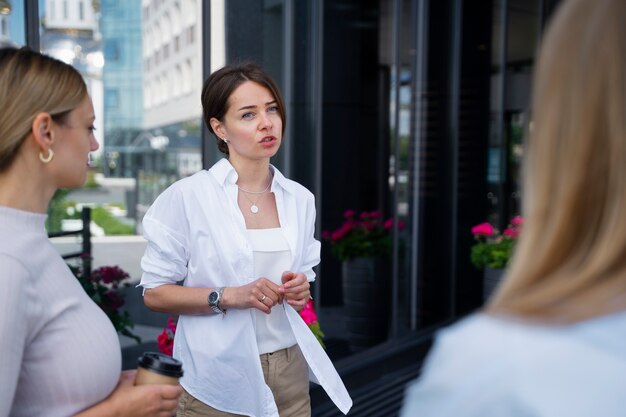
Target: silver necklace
254 208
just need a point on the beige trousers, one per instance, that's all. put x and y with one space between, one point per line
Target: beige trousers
286 373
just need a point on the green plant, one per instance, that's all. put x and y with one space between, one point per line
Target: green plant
102 286
57 210
363 234
492 248
109 223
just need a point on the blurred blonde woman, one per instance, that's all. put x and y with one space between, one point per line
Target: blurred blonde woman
551 341
59 353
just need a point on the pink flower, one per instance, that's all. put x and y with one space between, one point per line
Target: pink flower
165 343
483 229
375 214
511 232
388 224
341 232
517 221
349 214
308 313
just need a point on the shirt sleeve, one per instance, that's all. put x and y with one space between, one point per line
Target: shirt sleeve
312 246
166 230
13 327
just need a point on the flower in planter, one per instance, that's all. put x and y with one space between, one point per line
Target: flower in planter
492 248
165 341
102 286
363 234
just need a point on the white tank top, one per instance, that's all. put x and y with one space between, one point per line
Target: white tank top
271 258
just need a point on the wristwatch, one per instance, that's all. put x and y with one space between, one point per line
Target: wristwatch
214 299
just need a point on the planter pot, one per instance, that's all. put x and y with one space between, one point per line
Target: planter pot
491 279
366 298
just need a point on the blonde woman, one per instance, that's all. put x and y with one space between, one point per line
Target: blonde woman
59 353
551 341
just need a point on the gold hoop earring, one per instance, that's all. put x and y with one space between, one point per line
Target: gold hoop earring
46 159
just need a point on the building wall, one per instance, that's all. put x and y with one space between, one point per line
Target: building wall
172 56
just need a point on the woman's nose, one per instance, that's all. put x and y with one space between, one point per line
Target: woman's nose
94 144
266 121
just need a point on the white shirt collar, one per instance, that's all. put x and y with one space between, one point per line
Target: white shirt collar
225 173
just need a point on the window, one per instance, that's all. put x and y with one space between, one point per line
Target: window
111 50
111 98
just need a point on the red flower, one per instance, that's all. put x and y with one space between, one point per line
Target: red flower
483 229
165 343
349 214
511 232
109 274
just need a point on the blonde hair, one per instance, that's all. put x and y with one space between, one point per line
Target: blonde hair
31 83
570 262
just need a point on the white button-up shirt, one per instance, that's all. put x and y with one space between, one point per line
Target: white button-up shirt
196 233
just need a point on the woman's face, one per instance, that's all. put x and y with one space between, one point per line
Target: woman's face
252 124
73 141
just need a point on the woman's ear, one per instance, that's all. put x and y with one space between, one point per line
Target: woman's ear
218 128
42 130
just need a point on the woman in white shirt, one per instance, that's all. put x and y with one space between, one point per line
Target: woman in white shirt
551 341
240 238
59 353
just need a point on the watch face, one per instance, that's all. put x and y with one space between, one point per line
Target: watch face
213 297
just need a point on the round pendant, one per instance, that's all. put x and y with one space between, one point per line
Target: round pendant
254 209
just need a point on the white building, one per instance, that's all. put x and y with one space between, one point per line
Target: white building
172 52
71 14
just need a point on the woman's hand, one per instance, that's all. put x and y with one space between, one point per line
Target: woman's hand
137 401
295 289
261 294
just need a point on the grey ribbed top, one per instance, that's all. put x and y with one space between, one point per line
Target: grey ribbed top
59 353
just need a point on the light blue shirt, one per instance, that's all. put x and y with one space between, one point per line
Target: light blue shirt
494 367
196 233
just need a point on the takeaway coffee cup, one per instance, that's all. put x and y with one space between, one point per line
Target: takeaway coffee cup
157 368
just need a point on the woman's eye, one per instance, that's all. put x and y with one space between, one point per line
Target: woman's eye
272 109
92 129
247 116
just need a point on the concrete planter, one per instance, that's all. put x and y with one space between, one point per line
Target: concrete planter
366 295
491 279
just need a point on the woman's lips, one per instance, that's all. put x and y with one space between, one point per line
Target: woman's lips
268 141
